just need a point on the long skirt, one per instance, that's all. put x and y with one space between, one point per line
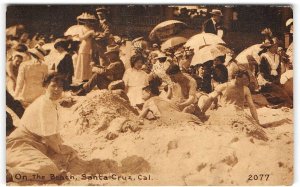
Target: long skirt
27 156
83 69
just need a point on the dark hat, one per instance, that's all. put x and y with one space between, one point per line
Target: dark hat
173 69
21 48
61 43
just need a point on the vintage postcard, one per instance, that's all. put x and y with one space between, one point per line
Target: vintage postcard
149 95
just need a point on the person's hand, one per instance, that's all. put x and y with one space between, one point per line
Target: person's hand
66 149
92 63
91 33
97 70
213 106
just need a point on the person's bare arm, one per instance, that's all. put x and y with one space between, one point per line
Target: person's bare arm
213 96
251 104
188 101
192 93
144 111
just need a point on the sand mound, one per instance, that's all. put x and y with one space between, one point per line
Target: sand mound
174 154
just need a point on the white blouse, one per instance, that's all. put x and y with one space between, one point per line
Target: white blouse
41 117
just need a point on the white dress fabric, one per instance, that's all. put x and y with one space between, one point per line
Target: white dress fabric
83 69
135 80
30 78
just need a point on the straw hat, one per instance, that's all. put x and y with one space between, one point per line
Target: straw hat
111 49
39 52
86 16
216 12
289 22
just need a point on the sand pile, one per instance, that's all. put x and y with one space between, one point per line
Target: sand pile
175 154
172 154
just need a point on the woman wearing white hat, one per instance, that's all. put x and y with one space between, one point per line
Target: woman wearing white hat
83 70
30 77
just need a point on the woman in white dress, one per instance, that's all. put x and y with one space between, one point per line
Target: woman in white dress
30 77
83 69
30 146
135 79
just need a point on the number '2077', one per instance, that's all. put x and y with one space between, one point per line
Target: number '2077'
261 177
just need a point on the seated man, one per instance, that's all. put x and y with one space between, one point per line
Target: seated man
104 75
183 91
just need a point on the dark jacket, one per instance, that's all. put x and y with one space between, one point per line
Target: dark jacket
208 27
265 70
65 67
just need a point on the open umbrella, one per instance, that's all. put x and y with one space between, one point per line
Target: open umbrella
165 29
172 42
202 39
208 52
250 53
74 31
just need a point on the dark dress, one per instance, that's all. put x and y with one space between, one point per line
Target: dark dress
65 67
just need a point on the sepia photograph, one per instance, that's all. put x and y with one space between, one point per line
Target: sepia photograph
149 95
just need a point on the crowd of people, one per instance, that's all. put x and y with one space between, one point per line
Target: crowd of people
156 83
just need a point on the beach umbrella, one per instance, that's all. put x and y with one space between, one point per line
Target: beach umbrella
172 42
208 52
249 54
166 29
202 39
74 31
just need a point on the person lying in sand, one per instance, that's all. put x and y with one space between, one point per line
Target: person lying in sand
156 107
233 93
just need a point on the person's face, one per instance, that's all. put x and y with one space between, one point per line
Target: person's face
217 18
217 61
17 60
175 77
100 15
292 29
54 90
138 64
24 37
60 49
146 95
112 56
243 81
201 71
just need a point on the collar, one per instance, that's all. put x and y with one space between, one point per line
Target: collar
102 21
214 22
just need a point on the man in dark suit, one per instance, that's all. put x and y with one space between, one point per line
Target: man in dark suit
212 25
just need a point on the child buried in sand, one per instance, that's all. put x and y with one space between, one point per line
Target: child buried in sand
233 94
156 107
